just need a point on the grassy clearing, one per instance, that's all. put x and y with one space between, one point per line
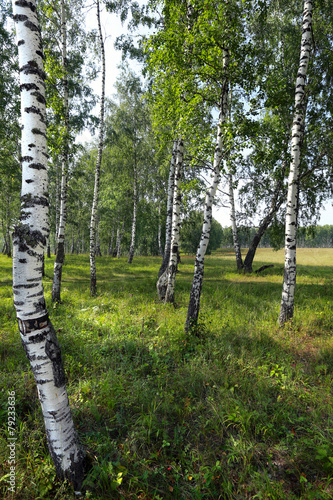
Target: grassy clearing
242 410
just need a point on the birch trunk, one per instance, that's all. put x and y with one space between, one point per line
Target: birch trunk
60 253
8 217
29 239
159 233
289 278
238 252
57 209
92 248
110 251
194 302
98 252
48 248
135 208
120 234
168 226
73 243
175 230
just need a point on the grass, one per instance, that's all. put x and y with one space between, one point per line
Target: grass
243 410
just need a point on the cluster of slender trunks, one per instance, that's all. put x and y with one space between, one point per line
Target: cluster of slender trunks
32 232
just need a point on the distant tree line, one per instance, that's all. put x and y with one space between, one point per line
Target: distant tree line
307 237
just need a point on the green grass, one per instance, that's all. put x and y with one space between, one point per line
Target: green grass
242 410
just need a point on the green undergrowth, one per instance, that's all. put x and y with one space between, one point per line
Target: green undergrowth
239 409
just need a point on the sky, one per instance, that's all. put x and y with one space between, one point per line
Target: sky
112 28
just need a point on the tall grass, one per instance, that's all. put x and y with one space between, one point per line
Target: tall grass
240 410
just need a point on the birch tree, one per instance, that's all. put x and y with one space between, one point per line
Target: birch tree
29 239
289 278
175 229
60 252
168 224
92 248
195 294
238 253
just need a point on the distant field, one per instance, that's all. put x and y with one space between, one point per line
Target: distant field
241 410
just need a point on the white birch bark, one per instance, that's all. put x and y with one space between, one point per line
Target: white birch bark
194 302
175 230
92 247
110 251
238 252
289 278
73 242
38 336
60 254
120 234
78 240
57 209
98 251
159 232
168 225
135 209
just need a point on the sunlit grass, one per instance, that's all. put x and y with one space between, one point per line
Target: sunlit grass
241 409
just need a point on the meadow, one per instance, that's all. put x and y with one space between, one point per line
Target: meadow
238 409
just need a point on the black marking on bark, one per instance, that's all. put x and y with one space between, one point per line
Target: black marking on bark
24 236
32 69
40 98
37 166
40 53
40 306
29 201
20 42
28 181
52 349
31 145
20 17
36 111
18 303
24 216
37 131
46 155
26 158
31 26
19 287
23 261
36 339
42 381
25 3
28 86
